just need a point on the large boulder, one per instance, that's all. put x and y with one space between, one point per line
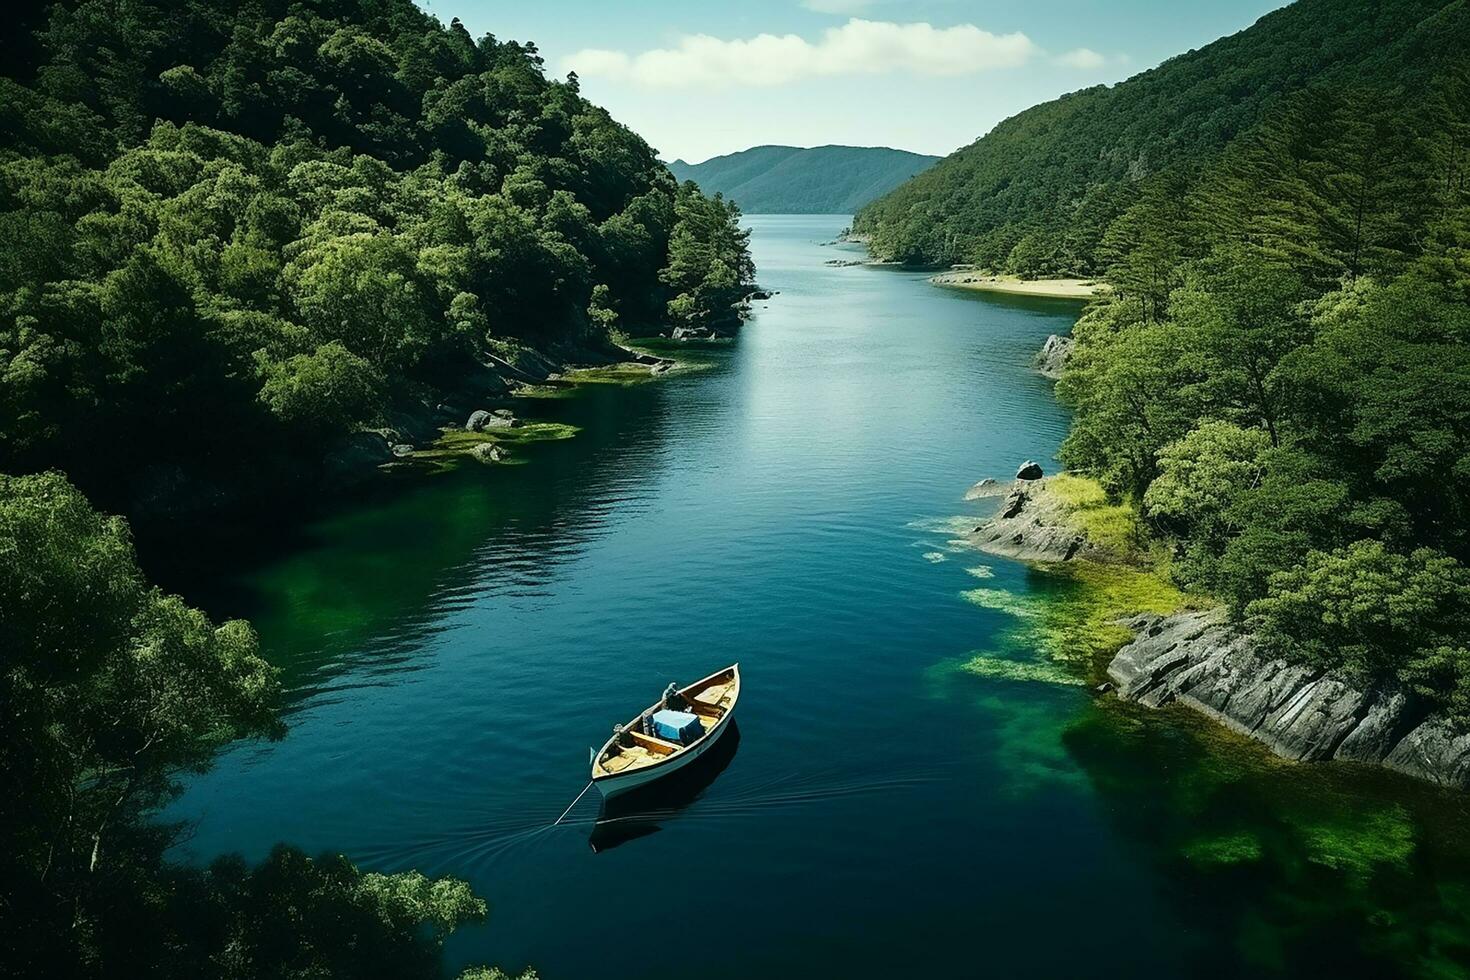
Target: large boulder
1052 357
481 420
1030 470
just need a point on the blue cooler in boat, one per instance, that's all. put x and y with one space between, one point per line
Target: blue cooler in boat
676 726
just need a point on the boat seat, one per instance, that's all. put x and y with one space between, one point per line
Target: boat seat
712 696
644 739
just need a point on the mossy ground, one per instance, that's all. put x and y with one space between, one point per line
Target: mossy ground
1073 615
625 373
1113 526
456 446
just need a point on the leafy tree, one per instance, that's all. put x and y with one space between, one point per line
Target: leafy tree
194 194
1376 614
1201 481
1238 311
111 689
323 392
1134 389
110 685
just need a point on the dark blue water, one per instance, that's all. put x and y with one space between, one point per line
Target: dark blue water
456 645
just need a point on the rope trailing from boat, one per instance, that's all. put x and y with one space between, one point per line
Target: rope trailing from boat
574 803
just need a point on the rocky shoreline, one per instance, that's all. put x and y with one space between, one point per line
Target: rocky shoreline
1200 660
1052 359
1031 523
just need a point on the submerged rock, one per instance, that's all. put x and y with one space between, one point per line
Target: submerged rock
488 452
987 487
1200 660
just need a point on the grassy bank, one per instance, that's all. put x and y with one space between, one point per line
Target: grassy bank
1070 622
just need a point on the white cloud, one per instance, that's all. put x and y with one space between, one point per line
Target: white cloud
1086 58
859 47
838 6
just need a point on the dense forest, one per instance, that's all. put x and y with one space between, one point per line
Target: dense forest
1038 194
798 180
230 236
277 223
1279 379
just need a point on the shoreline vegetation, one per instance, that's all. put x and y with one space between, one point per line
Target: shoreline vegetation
1127 628
493 435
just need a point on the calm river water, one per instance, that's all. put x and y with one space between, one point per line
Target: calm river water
455 645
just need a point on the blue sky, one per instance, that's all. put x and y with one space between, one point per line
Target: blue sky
698 79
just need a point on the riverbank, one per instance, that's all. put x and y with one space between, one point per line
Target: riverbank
1170 648
1045 288
424 426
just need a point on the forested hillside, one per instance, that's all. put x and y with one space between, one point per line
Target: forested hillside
230 236
795 180
1279 381
232 233
1038 194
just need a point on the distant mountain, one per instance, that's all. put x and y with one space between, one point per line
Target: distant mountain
793 180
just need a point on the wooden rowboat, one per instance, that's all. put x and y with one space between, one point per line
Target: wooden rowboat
632 758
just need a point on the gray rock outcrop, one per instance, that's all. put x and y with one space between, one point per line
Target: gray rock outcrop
1032 524
1200 660
1053 356
988 487
488 452
501 418
1029 470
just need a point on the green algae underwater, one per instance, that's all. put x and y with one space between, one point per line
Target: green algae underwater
1294 868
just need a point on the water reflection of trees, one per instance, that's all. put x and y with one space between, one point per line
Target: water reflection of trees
1280 868
355 594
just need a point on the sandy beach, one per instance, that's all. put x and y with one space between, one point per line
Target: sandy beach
1057 288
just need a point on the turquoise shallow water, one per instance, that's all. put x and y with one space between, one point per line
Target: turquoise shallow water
454 645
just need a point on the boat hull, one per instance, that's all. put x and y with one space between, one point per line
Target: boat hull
619 783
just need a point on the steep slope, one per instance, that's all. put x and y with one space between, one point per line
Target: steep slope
1037 194
286 224
793 180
